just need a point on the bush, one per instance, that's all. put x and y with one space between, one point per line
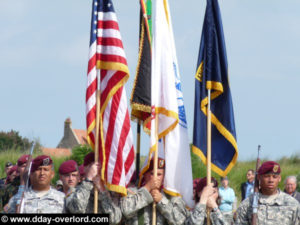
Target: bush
79 152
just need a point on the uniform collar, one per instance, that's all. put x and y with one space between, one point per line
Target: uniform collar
278 200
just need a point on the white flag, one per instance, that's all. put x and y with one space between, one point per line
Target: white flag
167 101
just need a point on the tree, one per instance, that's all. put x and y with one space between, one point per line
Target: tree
12 140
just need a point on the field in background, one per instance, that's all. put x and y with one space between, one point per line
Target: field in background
289 166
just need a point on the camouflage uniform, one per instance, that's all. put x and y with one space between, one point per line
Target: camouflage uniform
2 183
52 202
1 193
9 191
137 208
198 216
82 201
282 210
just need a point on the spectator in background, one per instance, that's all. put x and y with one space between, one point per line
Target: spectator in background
290 185
247 188
227 199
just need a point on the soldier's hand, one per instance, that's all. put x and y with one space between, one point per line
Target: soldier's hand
150 185
92 171
157 182
153 183
212 201
156 195
99 183
206 193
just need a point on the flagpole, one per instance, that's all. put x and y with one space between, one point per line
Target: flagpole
138 149
208 154
155 167
98 102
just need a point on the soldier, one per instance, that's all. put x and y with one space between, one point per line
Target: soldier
69 175
137 205
12 188
12 174
206 199
8 166
274 206
82 199
41 197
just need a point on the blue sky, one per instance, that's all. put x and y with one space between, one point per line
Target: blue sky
44 54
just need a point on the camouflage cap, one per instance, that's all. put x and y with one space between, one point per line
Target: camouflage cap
269 167
23 159
68 167
41 160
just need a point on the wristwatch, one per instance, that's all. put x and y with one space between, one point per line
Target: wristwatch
88 180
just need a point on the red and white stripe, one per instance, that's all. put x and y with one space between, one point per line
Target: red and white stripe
118 157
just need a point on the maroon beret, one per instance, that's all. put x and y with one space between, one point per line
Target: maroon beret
81 170
89 158
68 167
23 159
160 164
41 160
133 178
11 170
195 182
269 167
202 183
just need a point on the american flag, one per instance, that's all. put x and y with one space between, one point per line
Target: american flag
107 62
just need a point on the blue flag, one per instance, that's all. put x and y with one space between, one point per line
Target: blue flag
212 73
